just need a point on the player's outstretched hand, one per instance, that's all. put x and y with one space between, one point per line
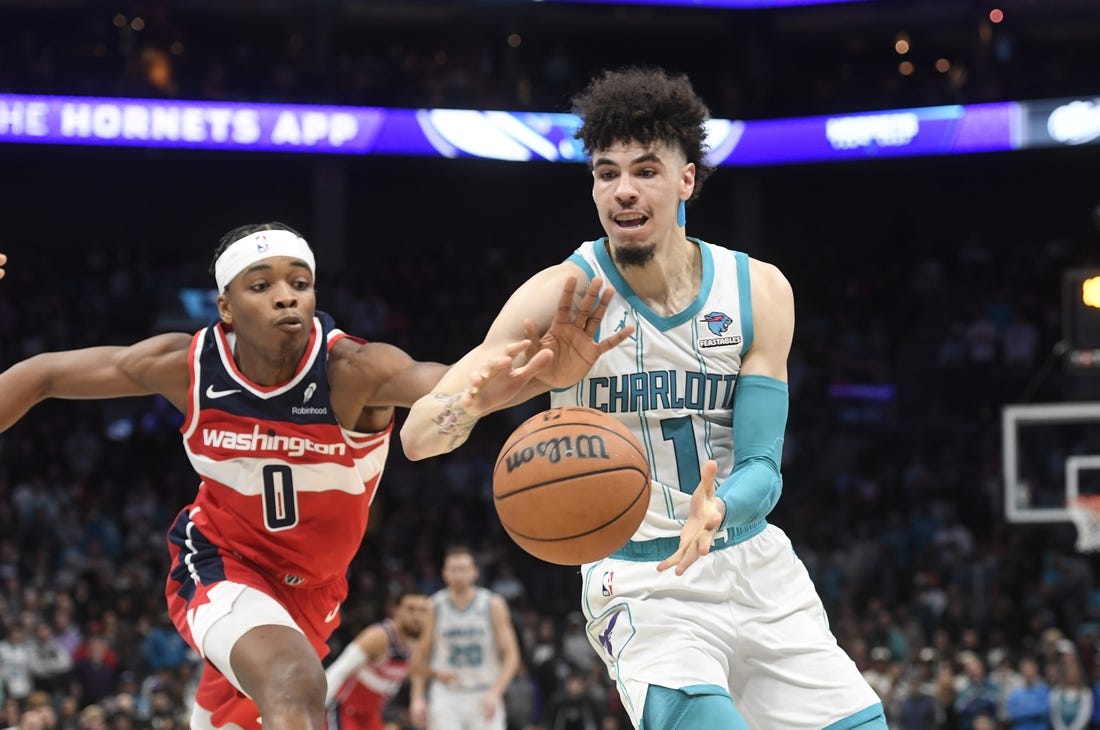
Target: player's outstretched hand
571 337
704 517
3 260
500 379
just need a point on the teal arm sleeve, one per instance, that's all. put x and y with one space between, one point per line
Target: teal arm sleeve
759 420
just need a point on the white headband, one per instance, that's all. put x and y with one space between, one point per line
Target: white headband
257 246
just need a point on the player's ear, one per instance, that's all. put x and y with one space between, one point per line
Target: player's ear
687 181
224 313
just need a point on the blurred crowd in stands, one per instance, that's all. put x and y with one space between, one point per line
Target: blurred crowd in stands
533 56
893 504
893 492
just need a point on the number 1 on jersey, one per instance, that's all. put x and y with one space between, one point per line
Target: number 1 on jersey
681 432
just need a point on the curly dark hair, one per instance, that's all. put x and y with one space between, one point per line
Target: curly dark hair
241 231
644 105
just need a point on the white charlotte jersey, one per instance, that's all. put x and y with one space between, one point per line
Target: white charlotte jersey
671 382
464 642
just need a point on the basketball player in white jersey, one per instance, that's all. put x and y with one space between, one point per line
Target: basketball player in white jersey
468 649
705 618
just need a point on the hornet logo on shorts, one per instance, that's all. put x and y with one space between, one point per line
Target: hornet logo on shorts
718 322
605 637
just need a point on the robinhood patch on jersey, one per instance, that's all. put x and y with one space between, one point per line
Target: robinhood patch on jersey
717 323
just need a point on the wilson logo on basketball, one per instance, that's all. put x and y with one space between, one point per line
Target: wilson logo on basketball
590 446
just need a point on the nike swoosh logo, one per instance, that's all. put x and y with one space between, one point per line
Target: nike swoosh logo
332 614
211 393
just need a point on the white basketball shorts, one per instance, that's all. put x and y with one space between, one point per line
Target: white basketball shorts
746 617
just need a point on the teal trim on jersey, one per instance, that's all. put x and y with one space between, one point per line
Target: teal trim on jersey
706 421
744 296
576 258
624 290
872 718
643 422
584 587
657 549
690 708
759 421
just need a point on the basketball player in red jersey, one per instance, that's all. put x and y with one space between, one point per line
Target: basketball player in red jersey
288 423
370 671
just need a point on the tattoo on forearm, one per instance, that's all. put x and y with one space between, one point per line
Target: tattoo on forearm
452 419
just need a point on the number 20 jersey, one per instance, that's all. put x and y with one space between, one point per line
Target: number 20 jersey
284 485
465 642
672 381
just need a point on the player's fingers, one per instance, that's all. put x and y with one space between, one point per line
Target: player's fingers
490 368
490 371
532 334
517 347
589 301
584 310
530 331
615 339
673 559
536 364
707 475
565 302
595 287
688 560
601 309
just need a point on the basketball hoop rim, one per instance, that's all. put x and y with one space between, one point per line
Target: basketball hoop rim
1085 501
1084 510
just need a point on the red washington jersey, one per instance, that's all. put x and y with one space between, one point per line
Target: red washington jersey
369 688
284 485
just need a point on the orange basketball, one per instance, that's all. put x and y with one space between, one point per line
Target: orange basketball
571 485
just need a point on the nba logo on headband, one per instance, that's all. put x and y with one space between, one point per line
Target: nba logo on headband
254 247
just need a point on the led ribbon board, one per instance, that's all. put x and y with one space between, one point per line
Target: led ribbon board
524 136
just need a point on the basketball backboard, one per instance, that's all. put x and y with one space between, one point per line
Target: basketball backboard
1051 454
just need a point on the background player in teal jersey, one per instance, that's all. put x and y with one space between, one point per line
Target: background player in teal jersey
469 651
700 378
